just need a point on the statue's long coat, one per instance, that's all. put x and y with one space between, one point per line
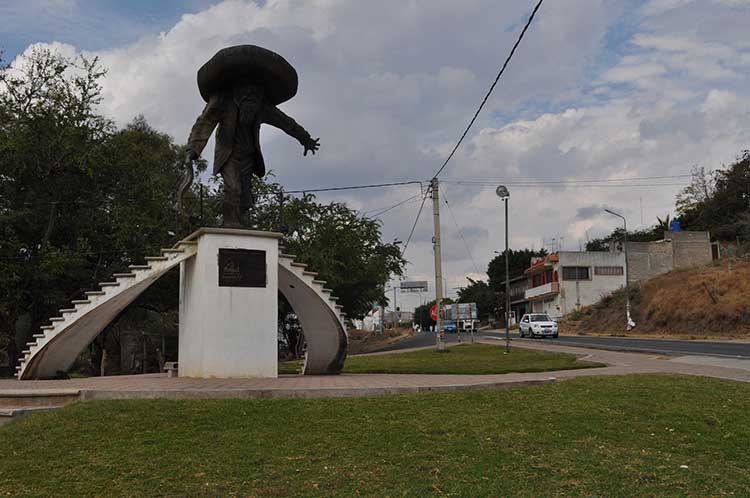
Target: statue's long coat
222 110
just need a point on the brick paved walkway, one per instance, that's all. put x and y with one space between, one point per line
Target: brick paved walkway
160 386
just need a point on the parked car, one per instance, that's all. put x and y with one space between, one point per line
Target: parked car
537 325
449 326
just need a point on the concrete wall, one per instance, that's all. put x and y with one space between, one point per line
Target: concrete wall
649 259
690 248
677 250
586 292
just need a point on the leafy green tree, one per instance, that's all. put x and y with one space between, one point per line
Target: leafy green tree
718 202
422 313
481 293
518 262
79 200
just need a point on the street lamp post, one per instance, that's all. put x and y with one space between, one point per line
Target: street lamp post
503 193
630 322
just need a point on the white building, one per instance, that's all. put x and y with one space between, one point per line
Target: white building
567 280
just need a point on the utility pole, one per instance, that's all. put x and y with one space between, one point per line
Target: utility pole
438 263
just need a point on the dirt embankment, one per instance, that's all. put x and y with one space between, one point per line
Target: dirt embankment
363 341
702 302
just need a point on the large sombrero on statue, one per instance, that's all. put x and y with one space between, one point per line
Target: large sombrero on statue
232 64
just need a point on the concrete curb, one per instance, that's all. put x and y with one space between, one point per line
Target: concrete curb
344 392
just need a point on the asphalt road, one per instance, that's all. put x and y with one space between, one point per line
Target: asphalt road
672 347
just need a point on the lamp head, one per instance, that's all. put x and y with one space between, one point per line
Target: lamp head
502 192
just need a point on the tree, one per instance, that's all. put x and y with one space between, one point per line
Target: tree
422 313
698 193
79 200
481 293
51 141
518 262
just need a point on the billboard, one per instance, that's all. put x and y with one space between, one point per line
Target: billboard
461 311
414 286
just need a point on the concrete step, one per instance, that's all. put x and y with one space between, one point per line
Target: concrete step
109 284
80 301
19 398
139 267
47 327
39 336
68 310
156 258
320 282
123 275
172 250
57 319
14 413
95 293
287 256
298 265
310 273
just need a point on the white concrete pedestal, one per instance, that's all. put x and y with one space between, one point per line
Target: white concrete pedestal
228 331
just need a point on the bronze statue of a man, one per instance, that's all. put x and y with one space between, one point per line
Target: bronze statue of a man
242 86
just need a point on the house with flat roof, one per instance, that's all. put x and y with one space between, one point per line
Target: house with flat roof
564 281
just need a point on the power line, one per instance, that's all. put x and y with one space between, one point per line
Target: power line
495 181
460 232
382 211
575 185
354 187
492 87
419 213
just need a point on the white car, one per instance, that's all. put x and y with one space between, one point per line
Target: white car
537 325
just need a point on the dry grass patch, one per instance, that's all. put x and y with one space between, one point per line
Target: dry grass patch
701 302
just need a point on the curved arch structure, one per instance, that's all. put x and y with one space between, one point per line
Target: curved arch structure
57 345
319 315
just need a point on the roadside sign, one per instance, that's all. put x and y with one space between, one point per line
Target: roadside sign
414 286
433 312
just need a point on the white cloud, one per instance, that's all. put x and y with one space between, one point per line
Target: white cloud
389 87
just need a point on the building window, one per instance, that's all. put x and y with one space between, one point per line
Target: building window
609 271
575 273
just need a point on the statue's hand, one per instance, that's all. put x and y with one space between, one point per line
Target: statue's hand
311 145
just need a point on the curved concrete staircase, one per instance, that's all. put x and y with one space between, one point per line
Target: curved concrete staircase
324 328
56 346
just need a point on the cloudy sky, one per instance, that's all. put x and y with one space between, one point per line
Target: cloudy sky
599 90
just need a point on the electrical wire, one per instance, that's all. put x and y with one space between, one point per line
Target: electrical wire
353 187
382 211
495 181
492 87
460 232
564 186
419 213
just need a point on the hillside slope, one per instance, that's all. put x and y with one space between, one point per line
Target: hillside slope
709 301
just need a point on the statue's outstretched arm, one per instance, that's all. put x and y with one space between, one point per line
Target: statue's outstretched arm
204 126
275 117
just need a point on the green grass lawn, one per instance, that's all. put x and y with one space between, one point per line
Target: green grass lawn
602 436
463 359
